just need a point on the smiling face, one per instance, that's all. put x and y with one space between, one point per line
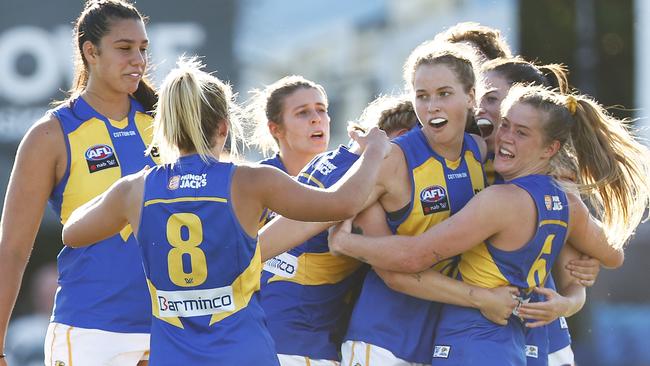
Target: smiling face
520 144
119 62
490 107
441 104
305 125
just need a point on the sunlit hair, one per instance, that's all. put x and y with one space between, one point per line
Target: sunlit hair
613 167
192 105
461 59
95 22
458 58
389 113
488 41
518 70
266 106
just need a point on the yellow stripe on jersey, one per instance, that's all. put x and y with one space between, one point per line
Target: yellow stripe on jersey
475 169
321 269
478 268
423 176
82 186
145 129
185 199
312 179
244 286
553 222
126 232
119 124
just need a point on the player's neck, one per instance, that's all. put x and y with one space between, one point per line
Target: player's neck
112 105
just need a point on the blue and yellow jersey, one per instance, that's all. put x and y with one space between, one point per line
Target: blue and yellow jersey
275 161
400 323
528 267
202 269
463 335
101 286
304 290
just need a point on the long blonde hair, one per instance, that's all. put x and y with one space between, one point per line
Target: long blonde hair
612 166
192 104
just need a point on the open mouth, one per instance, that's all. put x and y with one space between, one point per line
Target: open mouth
506 154
485 126
317 135
438 122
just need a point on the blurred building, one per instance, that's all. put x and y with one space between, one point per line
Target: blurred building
356 50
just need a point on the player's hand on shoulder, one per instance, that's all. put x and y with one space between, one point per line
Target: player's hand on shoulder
585 270
374 138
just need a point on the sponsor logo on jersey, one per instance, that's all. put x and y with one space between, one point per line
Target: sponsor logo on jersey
174 182
552 203
100 157
59 363
123 133
188 303
194 181
460 175
441 351
532 351
324 166
563 323
434 199
283 265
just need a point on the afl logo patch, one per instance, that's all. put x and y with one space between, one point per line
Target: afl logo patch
434 199
174 182
100 157
99 152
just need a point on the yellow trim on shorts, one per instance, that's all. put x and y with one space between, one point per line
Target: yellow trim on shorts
53 338
367 354
67 339
352 353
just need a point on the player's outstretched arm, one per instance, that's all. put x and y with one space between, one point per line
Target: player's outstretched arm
39 164
414 254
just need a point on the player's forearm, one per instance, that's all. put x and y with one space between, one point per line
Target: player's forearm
575 296
393 253
433 286
13 267
358 183
282 234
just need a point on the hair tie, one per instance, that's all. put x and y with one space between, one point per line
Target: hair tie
571 104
